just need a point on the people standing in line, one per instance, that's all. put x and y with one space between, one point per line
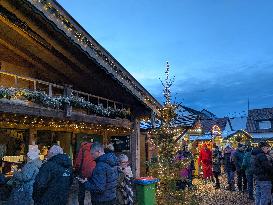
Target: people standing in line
23 180
104 179
238 158
229 166
84 167
216 164
124 187
205 159
263 172
52 184
247 166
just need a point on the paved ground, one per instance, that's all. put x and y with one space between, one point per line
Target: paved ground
73 197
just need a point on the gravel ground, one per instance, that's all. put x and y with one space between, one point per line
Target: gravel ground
207 194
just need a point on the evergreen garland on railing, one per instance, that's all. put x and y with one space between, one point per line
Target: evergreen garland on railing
41 98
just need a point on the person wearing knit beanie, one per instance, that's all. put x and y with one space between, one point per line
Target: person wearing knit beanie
54 150
33 152
24 179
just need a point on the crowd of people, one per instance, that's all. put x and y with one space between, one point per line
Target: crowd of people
252 167
106 176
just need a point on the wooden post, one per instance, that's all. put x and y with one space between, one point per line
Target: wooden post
32 136
68 93
34 85
50 90
16 81
135 148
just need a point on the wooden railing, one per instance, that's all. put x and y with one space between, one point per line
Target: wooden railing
13 80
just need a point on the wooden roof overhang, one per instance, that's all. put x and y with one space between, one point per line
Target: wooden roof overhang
35 36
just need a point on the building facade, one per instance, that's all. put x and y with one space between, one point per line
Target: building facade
59 85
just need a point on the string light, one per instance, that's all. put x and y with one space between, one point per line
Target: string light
85 41
163 141
26 122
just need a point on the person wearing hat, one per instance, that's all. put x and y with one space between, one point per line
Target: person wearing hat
238 158
52 184
263 171
24 179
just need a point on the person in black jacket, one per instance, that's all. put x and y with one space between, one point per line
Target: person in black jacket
238 158
229 166
262 170
216 164
52 184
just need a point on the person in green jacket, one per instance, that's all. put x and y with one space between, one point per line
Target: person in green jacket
247 166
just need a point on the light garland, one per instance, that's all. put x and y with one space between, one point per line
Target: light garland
45 100
166 167
26 122
87 42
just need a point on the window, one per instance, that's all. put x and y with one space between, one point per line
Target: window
264 125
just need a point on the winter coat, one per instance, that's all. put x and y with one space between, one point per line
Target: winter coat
205 157
228 164
22 192
103 182
184 156
262 168
216 161
247 161
53 181
238 158
85 158
124 189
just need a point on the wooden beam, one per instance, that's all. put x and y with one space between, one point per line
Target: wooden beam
135 148
8 106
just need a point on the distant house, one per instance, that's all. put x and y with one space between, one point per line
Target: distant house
260 124
235 131
209 128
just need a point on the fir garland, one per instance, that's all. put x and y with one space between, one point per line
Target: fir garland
41 98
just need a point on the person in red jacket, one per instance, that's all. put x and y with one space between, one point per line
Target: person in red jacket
205 157
84 166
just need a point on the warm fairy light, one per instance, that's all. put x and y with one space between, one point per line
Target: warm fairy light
163 141
87 42
10 121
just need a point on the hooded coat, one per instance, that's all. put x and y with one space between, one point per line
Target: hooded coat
262 168
205 157
52 183
22 192
104 179
85 163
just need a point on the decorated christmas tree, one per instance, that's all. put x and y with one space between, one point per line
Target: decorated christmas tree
165 166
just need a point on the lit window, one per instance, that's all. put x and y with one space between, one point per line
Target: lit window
265 125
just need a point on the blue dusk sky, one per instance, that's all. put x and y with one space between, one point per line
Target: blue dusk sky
221 52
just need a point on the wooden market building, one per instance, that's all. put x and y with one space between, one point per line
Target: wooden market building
58 84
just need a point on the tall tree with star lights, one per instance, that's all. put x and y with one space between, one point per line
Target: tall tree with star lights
166 167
